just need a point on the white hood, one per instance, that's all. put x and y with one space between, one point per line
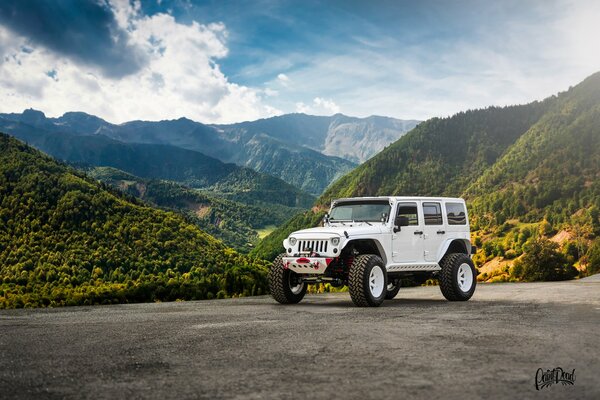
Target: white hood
355 229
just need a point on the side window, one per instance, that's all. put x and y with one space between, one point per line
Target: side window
432 213
456 214
408 210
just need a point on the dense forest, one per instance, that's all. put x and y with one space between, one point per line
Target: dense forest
66 239
530 175
235 223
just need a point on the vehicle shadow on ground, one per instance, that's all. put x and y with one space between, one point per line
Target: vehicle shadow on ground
347 303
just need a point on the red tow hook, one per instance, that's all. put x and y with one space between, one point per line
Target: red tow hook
286 265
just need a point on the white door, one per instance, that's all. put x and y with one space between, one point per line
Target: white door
434 231
407 244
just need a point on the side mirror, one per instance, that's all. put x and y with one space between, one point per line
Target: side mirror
326 218
399 222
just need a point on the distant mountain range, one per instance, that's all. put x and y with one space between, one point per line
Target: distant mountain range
306 151
160 161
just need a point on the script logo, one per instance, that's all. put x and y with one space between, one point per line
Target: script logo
551 376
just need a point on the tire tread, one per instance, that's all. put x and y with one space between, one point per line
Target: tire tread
277 282
356 279
446 278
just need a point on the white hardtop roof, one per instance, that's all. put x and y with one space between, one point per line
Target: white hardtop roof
400 198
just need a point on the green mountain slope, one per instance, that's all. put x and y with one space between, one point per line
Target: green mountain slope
441 155
65 239
236 224
553 169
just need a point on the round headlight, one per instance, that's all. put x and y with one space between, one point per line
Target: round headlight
335 241
292 241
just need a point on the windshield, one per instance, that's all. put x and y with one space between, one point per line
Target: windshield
363 211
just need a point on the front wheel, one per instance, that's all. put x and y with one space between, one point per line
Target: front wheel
367 281
285 285
457 277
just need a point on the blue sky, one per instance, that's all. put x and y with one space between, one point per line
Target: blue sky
226 61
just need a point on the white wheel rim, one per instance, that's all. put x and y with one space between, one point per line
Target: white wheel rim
376 281
465 277
296 289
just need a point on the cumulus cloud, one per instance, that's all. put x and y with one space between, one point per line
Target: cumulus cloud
319 106
137 66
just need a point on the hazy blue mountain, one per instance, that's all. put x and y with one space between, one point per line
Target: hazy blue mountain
306 151
350 138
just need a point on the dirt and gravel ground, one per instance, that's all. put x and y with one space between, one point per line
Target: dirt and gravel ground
415 346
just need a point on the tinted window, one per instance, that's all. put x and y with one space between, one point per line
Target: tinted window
432 213
456 214
409 210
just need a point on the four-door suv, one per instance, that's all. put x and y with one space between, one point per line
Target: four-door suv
371 243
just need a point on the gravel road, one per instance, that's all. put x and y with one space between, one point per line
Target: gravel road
415 346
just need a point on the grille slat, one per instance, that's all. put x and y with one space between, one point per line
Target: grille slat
318 246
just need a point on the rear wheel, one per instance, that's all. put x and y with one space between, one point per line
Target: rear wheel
393 287
285 285
458 277
367 281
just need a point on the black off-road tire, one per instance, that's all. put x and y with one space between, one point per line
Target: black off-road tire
358 280
390 294
449 279
279 283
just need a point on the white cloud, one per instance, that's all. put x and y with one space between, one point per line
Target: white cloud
182 77
518 61
319 106
283 79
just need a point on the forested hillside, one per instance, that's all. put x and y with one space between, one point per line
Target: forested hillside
235 223
530 175
547 183
441 155
66 239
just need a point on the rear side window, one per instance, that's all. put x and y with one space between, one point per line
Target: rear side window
432 213
409 210
456 214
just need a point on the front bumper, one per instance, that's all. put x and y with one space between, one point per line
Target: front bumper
307 265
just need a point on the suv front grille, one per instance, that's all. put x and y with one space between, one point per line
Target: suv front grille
318 246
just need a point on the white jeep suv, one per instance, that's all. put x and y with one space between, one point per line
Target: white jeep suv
371 243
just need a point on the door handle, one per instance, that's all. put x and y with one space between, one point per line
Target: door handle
418 232
441 232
